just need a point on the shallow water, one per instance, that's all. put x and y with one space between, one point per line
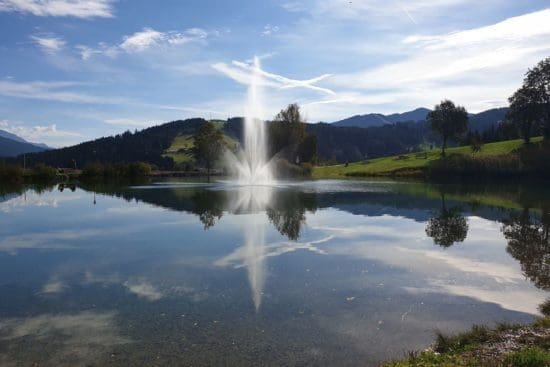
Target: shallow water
311 273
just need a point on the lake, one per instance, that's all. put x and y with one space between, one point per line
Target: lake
302 273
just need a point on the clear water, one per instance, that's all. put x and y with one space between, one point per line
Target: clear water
313 273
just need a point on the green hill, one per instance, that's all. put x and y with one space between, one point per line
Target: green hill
410 163
181 148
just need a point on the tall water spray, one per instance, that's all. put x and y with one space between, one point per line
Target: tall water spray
252 165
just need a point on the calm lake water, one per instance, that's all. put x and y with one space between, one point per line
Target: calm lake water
313 273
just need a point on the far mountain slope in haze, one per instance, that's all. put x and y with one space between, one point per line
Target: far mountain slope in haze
12 148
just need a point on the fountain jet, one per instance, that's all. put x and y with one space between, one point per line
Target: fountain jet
251 164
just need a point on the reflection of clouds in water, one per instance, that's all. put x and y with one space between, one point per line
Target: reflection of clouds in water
53 286
515 300
237 258
500 273
142 288
469 270
135 209
76 339
253 253
46 240
34 199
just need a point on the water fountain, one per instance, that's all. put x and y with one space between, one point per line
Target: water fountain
251 164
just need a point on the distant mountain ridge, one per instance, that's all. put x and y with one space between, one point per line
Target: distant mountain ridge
12 148
479 122
12 145
396 134
378 119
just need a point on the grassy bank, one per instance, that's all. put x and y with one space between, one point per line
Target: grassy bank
504 345
413 164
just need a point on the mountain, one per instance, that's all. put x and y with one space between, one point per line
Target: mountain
12 148
147 145
395 134
478 121
8 149
7 135
377 119
483 121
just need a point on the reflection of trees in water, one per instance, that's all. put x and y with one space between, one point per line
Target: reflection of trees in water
448 227
287 212
209 206
529 242
285 209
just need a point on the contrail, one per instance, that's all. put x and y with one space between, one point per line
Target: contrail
287 83
409 15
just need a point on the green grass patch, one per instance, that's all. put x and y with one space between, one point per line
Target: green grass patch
412 164
528 357
181 148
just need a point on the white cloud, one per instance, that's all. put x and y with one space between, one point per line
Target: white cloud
144 40
243 73
375 10
49 44
60 8
140 41
38 132
270 29
51 91
128 122
478 68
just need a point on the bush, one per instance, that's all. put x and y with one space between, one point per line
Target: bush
477 335
468 166
544 308
529 357
95 171
285 169
43 172
10 173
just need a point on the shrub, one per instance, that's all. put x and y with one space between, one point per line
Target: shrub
529 357
285 169
43 172
96 171
544 308
10 173
467 166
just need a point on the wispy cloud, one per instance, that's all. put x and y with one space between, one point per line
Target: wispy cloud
60 8
473 66
144 40
270 29
128 122
51 91
37 132
49 44
242 72
374 10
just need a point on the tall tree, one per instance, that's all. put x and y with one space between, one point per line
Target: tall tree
287 131
208 145
537 81
449 121
524 112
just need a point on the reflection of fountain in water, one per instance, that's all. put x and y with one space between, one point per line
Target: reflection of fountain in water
253 200
251 164
253 195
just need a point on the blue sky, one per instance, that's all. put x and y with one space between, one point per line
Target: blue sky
73 70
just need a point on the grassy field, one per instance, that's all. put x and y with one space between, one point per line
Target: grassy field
180 150
387 166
